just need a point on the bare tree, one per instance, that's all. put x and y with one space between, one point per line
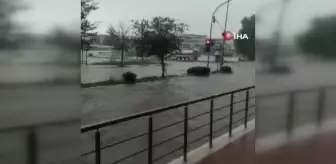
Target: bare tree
87 27
119 39
141 32
8 38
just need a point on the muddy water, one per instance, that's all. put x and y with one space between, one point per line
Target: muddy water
105 103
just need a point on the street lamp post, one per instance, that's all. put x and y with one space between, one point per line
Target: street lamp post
213 21
226 18
273 60
278 32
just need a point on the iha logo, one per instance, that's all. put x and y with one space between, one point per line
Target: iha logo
232 35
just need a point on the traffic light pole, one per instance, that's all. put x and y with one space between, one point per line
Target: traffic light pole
212 21
208 63
284 4
223 51
274 60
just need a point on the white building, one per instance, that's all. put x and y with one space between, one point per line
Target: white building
100 39
193 41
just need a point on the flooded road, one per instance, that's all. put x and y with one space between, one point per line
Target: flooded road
109 102
272 111
39 107
105 103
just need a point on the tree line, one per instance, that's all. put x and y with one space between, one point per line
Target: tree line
158 36
88 28
247 47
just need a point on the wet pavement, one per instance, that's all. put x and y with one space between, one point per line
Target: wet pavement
240 151
315 150
319 149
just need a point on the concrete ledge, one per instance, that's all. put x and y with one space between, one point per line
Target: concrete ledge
299 135
203 151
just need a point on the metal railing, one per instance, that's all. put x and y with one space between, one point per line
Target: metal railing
186 141
32 138
291 110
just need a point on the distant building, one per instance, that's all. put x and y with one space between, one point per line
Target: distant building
99 47
193 41
99 50
100 39
218 45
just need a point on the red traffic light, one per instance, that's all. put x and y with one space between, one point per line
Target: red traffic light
228 35
208 41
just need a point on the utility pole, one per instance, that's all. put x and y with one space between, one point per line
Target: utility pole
223 51
274 59
213 20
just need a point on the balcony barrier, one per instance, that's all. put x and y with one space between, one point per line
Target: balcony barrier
186 141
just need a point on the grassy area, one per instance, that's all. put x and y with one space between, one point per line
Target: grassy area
131 62
116 82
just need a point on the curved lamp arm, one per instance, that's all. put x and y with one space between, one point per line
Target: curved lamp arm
214 12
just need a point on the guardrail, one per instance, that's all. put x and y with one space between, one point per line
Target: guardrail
32 139
292 105
149 114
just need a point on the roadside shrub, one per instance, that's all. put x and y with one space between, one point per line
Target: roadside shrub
280 69
199 71
129 77
226 69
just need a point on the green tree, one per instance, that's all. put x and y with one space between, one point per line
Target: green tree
165 37
141 32
63 38
247 46
9 39
266 48
87 27
119 39
319 40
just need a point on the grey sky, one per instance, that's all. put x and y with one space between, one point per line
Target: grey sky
196 13
297 17
45 14
42 15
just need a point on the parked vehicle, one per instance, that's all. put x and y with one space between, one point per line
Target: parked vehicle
190 55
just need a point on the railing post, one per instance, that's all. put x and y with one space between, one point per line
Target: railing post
150 139
290 114
211 122
32 147
185 146
231 115
97 147
257 108
320 107
246 107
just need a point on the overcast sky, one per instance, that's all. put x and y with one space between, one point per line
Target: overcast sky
45 14
298 16
196 13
